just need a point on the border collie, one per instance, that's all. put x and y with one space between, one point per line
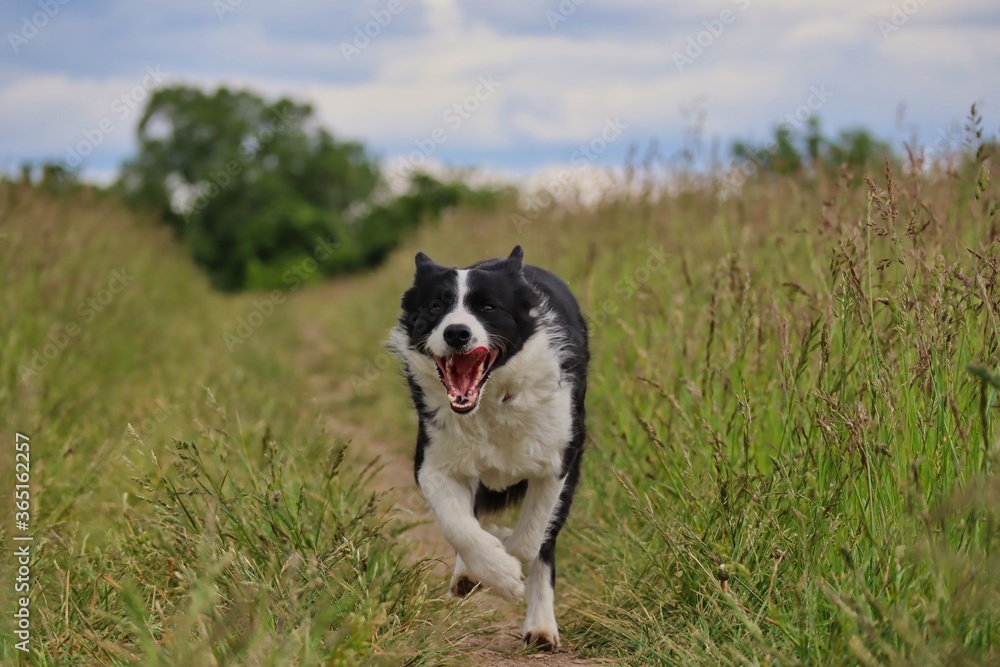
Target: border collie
496 359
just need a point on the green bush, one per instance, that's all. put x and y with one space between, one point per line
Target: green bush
797 150
244 182
262 197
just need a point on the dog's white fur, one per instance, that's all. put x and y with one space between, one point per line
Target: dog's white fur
540 620
518 431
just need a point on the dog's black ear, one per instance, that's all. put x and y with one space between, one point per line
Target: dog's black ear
423 261
516 259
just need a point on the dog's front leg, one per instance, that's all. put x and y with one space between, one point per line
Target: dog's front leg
483 555
540 502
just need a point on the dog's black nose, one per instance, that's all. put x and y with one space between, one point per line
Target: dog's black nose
457 335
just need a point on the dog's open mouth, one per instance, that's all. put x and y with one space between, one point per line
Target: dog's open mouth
464 375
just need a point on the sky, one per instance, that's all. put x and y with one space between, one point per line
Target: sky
514 88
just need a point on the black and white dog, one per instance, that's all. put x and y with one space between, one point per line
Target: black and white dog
496 358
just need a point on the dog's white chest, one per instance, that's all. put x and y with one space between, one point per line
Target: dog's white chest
505 442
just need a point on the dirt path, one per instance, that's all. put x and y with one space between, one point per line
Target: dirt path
499 645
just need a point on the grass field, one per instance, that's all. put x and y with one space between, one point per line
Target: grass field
789 461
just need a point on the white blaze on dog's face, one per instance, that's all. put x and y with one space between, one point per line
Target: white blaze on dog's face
469 321
461 350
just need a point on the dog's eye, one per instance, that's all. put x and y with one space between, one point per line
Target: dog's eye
435 309
486 307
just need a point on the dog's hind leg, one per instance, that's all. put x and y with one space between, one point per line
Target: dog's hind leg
540 510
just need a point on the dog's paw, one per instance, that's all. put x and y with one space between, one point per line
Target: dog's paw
506 578
540 629
500 571
544 639
463 585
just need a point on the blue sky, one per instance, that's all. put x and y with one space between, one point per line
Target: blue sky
533 80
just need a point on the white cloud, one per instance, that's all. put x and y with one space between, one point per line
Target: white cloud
556 87
53 111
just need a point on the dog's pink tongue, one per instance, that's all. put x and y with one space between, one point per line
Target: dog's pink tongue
464 371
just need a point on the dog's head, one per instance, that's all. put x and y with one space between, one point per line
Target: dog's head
469 321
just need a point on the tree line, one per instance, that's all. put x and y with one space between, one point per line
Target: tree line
251 187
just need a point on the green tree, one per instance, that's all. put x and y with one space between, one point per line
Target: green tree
254 188
779 155
796 149
857 148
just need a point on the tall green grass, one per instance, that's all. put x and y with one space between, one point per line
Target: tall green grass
788 462
190 505
808 465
